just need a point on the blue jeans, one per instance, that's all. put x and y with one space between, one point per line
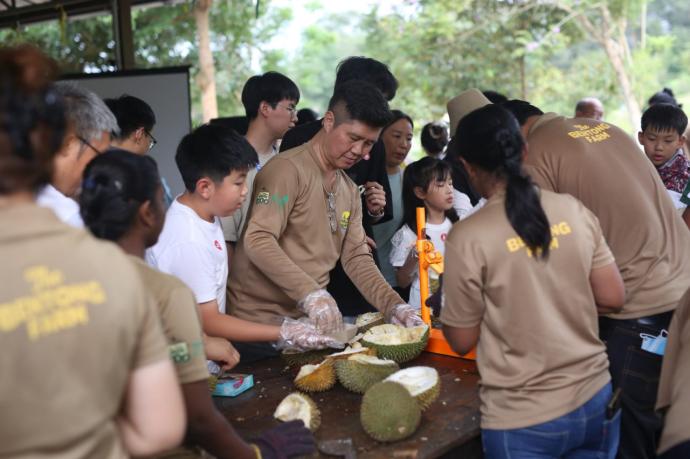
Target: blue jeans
582 433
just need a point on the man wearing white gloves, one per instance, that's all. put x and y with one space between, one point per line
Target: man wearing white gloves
305 215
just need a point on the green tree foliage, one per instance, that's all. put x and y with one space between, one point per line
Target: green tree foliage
438 48
165 36
552 52
79 45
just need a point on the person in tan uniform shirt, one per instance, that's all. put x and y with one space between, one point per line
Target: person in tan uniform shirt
602 166
305 216
674 398
524 277
86 370
122 201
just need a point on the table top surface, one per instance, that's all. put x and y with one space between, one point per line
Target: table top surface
449 422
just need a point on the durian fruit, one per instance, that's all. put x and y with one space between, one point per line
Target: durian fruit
297 359
316 378
355 349
389 412
299 406
345 334
367 320
397 343
359 372
423 383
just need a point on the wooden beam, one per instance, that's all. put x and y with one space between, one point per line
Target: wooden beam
122 31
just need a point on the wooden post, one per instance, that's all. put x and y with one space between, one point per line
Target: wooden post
122 31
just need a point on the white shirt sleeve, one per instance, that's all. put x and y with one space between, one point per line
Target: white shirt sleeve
193 266
461 204
402 242
474 209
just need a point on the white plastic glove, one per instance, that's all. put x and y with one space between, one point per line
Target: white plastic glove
405 315
322 310
301 336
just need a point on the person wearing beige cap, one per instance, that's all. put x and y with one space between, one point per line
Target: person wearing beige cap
462 104
600 165
458 107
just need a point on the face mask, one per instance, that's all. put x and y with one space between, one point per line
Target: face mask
654 344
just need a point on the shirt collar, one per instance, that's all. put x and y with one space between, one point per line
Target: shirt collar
543 119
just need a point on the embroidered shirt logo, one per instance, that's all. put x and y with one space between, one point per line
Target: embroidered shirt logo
52 305
263 197
217 244
179 352
559 229
345 220
280 200
591 134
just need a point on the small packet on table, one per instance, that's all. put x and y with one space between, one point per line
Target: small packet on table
233 384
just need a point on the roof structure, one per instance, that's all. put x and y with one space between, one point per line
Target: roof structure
15 13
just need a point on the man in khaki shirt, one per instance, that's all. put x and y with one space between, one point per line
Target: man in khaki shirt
305 216
602 166
674 396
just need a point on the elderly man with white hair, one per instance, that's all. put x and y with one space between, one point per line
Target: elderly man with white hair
89 124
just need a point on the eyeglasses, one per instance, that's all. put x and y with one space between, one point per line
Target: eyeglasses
332 219
83 140
290 108
152 140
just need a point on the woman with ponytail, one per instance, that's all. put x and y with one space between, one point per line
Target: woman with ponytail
122 201
85 367
525 277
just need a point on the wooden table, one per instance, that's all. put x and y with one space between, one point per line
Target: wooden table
451 422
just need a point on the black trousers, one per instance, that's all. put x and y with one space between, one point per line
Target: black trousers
637 373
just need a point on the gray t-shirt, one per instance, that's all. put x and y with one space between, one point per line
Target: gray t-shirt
383 232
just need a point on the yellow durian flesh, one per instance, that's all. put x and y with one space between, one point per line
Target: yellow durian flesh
395 342
316 378
423 383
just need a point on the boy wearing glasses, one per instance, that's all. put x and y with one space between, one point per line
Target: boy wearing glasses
270 102
89 125
136 120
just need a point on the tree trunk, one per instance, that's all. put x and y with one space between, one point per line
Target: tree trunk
206 79
615 52
643 25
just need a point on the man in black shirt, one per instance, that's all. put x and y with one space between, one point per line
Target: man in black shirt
370 174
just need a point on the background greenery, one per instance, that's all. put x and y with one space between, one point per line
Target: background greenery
536 50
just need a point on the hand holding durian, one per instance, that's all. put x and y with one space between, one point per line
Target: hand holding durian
302 335
322 310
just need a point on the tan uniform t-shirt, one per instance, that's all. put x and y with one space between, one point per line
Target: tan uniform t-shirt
674 385
603 167
75 321
180 319
288 248
235 223
539 354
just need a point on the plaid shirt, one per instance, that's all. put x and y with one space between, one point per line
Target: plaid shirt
675 172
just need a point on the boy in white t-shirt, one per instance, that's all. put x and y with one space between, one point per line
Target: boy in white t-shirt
213 162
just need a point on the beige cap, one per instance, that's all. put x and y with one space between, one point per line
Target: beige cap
462 104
